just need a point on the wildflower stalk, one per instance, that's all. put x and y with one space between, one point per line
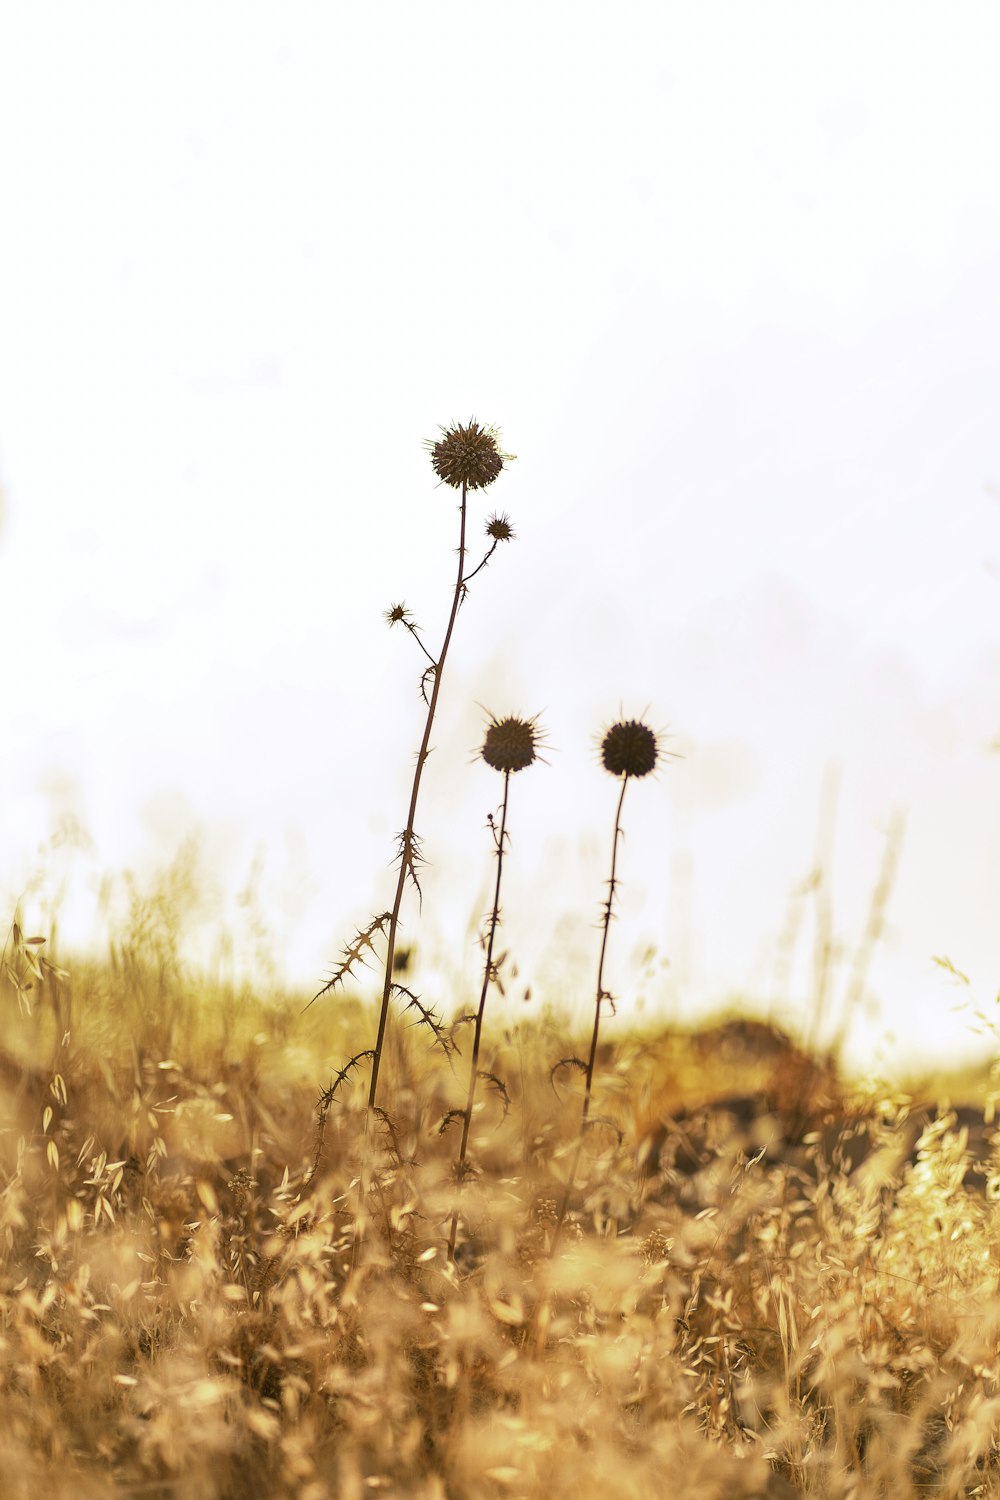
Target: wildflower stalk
629 749
602 993
460 1170
511 745
465 458
407 857
599 999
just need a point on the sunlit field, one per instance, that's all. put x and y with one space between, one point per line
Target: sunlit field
767 1282
260 1244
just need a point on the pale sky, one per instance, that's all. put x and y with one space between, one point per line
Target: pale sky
725 276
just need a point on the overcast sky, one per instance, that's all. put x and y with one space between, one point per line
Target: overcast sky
726 277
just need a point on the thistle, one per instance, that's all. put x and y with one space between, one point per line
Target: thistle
511 745
629 750
465 458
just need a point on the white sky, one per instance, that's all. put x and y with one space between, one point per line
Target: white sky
726 276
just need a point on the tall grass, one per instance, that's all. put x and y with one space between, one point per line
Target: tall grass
178 1315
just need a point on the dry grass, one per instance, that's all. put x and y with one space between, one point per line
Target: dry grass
179 1316
694 1265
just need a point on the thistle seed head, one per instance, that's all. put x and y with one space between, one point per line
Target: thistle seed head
467 455
396 614
629 749
510 744
499 528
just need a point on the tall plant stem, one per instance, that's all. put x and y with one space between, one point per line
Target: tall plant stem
601 992
406 863
477 1038
600 997
406 853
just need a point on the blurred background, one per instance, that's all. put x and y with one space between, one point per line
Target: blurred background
726 279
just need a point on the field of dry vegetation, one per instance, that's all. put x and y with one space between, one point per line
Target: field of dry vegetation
256 1248
767 1283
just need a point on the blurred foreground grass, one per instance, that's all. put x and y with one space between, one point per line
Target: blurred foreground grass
772 1283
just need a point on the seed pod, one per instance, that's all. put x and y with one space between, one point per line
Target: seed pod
467 455
629 749
510 743
500 529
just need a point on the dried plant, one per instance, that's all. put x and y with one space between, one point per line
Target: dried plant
629 751
781 1285
467 458
511 745
766 1305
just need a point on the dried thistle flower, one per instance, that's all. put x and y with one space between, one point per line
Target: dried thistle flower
629 749
396 614
499 528
468 456
510 744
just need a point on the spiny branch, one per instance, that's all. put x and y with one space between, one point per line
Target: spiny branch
410 855
353 953
427 1017
389 1126
450 1118
425 677
565 1062
499 1088
480 566
324 1104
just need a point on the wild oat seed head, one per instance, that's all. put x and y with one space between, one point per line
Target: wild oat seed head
629 749
510 743
499 528
467 455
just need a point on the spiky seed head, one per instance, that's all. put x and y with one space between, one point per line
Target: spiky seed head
629 749
468 455
510 743
396 614
500 529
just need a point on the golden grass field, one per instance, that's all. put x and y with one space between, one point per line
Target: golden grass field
768 1283
244 1255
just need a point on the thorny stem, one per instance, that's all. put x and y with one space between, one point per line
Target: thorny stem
414 631
407 849
487 976
601 995
479 568
407 846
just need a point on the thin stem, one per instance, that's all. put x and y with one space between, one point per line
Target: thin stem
599 998
415 632
406 852
487 976
479 568
601 992
406 858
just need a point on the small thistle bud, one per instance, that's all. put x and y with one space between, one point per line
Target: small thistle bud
396 614
510 743
467 455
629 749
500 529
